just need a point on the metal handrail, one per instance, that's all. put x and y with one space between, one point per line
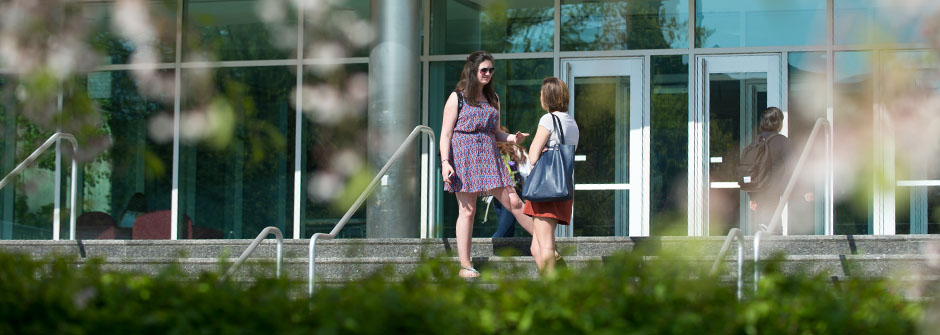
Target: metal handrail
32 157
775 219
254 244
735 233
365 193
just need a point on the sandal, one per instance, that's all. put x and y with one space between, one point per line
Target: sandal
470 272
560 262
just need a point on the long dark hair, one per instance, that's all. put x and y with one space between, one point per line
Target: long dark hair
468 83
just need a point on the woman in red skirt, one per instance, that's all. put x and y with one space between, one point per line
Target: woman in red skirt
547 214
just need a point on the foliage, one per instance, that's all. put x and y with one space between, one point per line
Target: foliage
624 295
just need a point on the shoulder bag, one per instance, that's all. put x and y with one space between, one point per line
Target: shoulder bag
552 177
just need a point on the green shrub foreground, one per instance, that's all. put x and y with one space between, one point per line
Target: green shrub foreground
623 295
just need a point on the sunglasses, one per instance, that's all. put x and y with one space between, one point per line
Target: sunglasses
486 70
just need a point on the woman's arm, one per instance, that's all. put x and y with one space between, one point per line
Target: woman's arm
501 136
538 144
518 137
447 132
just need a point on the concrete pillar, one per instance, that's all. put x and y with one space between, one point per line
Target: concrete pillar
393 209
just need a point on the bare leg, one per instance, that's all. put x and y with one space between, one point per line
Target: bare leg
510 200
466 205
545 233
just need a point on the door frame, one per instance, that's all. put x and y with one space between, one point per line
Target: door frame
699 183
637 69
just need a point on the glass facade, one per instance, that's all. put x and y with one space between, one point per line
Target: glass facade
807 103
853 115
730 23
238 179
257 137
915 166
461 27
107 39
133 176
331 158
28 200
871 21
237 30
669 112
624 25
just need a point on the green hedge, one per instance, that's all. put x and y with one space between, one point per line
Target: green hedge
624 295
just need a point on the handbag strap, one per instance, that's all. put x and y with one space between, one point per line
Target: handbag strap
459 101
556 122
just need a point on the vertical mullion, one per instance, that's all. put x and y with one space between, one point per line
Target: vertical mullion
177 73
57 180
828 222
647 144
691 26
298 121
556 39
880 210
694 200
784 69
427 176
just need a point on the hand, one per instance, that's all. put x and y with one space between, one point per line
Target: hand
752 204
447 171
519 137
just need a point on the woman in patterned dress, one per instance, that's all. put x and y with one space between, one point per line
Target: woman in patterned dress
470 162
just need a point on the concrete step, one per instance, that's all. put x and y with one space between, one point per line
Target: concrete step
351 268
482 247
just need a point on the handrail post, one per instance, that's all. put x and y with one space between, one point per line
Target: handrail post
756 259
740 237
365 193
733 234
254 244
312 264
432 188
31 158
73 194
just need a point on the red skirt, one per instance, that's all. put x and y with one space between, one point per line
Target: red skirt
558 210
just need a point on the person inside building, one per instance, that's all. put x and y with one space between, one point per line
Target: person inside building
517 162
548 214
764 202
471 165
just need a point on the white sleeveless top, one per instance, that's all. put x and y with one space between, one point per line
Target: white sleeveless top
568 126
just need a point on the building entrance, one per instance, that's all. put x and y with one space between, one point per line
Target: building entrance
731 91
612 162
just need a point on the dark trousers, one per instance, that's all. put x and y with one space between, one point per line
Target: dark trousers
507 222
766 205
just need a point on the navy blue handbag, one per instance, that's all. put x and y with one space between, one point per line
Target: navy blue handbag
552 177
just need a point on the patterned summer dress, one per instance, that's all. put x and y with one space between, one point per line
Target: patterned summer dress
477 164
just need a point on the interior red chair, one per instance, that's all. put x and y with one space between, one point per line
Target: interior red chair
96 226
206 233
156 226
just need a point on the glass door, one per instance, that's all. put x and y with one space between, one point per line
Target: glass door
909 147
731 91
612 159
